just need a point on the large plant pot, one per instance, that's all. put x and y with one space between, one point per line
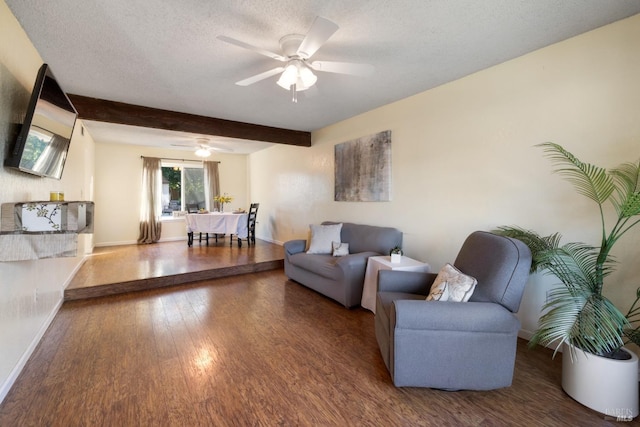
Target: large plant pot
605 385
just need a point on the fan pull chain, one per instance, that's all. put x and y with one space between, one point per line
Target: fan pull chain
294 94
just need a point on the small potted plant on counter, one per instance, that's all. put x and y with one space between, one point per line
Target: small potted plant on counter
396 254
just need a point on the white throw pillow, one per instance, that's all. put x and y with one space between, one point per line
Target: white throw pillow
340 249
452 285
322 237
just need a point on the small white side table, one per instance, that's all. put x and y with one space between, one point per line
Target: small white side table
377 263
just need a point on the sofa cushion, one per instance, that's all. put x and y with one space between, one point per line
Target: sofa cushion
322 237
369 238
452 285
321 264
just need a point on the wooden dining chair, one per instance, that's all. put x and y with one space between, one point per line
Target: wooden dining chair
251 226
251 223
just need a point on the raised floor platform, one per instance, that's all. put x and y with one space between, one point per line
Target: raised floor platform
119 269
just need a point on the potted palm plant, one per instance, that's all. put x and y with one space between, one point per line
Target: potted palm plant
577 315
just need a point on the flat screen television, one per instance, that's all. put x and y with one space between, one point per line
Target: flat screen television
44 138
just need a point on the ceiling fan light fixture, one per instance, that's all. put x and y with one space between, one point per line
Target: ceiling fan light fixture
298 74
307 77
203 152
288 77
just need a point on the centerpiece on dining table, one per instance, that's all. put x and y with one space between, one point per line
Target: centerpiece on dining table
221 199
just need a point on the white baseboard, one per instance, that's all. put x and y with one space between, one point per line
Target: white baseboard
15 372
121 243
275 242
525 334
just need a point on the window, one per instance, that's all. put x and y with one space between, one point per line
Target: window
182 187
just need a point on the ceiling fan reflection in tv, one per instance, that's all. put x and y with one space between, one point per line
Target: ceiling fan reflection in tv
45 136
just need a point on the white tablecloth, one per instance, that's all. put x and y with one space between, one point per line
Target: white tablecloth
377 263
219 223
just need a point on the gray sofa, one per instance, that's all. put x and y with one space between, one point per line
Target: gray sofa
340 278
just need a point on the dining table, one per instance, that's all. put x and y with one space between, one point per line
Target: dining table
217 223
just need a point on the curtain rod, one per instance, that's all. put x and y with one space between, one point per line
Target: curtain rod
184 160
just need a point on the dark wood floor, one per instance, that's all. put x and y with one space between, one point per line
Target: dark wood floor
254 349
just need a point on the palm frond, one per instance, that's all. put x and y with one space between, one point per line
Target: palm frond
633 335
576 265
627 204
588 321
536 243
600 326
633 317
589 180
560 314
628 175
627 200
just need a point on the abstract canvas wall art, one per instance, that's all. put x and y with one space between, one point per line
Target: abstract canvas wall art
363 169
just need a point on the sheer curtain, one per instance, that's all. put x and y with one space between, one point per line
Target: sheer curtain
151 203
211 183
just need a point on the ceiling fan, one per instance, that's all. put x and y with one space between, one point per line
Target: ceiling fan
204 147
297 50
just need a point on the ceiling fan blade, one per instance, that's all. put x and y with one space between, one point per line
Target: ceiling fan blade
219 148
320 31
254 79
252 48
343 68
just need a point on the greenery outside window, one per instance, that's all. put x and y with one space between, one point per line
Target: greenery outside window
182 187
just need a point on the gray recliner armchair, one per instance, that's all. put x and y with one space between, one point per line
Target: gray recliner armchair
455 345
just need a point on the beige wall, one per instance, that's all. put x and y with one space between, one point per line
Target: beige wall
463 156
118 192
31 291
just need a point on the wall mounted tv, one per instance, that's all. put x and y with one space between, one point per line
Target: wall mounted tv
43 142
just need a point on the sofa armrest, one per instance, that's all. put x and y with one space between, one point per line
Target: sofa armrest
295 246
410 282
453 316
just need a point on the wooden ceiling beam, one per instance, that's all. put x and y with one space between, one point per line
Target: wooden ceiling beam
136 115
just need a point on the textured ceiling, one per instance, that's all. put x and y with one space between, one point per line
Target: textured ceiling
165 54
